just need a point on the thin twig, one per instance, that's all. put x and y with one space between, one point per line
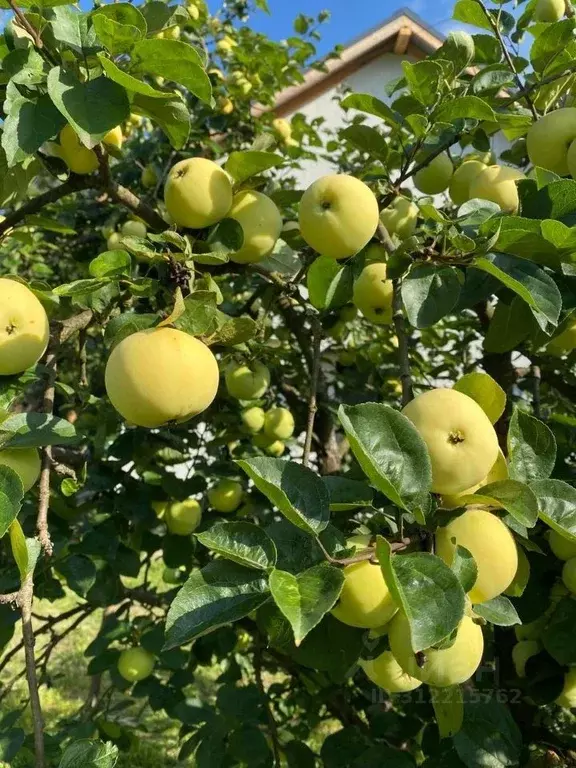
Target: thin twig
10 597
44 484
527 90
536 379
26 596
312 399
402 334
271 721
569 9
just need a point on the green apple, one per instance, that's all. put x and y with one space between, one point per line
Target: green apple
24 328
463 178
253 418
134 229
135 664
338 215
549 10
247 381
279 424
183 517
498 184
25 462
77 157
261 224
198 193
270 446
569 575
563 548
149 177
226 496
550 141
385 672
523 651
113 241
567 698
436 176
400 218
372 294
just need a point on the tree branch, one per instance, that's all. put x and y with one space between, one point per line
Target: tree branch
314 376
402 334
273 728
26 596
44 484
127 198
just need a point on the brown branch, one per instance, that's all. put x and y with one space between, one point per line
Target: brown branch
127 198
569 9
25 24
315 374
10 597
44 483
402 334
26 596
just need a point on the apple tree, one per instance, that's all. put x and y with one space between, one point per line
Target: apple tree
315 446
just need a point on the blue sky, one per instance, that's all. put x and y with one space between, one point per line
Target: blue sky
349 19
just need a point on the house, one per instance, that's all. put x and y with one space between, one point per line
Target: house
366 65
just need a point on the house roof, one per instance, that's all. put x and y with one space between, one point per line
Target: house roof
403 34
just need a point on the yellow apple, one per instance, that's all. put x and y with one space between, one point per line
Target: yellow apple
135 664
183 517
338 215
25 462
172 33
160 508
253 418
114 241
564 343
436 176
549 10
261 224
400 218
569 575
225 46
77 157
439 668
461 441
270 446
522 652
161 375
563 548
498 472
491 544
149 177
462 180
114 138
24 329
365 600
193 11
247 381
497 183
217 73
372 294
279 424
134 229
282 127
135 120
550 141
567 698
198 193
385 672
225 105
226 496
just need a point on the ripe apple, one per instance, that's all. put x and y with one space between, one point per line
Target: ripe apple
373 293
183 517
225 496
24 329
498 472
134 229
549 10
461 441
522 652
149 177
225 105
253 418
225 46
282 127
261 224
161 375
135 664
400 218
338 215
567 698
569 575
114 137
198 193
564 343
25 462
385 672
482 533
270 446
279 424
77 157
114 241
435 177
498 184
462 180
160 508
247 381
172 33
365 600
193 11
439 668
135 120
563 548
550 141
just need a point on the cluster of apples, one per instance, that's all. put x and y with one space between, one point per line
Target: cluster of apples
130 228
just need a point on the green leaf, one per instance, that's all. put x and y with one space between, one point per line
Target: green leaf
347 494
126 324
448 706
530 282
469 12
171 115
458 48
243 165
509 326
110 264
489 737
89 754
10 743
531 448
365 102
485 391
465 568
320 276
498 611
557 505
122 13
422 79
390 451
133 84
201 317
513 496
81 103
416 582
236 330
429 294
305 598
80 573
558 636
297 491
11 495
24 430
25 551
549 45
116 38
220 593
471 107
72 29
244 543
554 201
366 139
27 125
173 60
